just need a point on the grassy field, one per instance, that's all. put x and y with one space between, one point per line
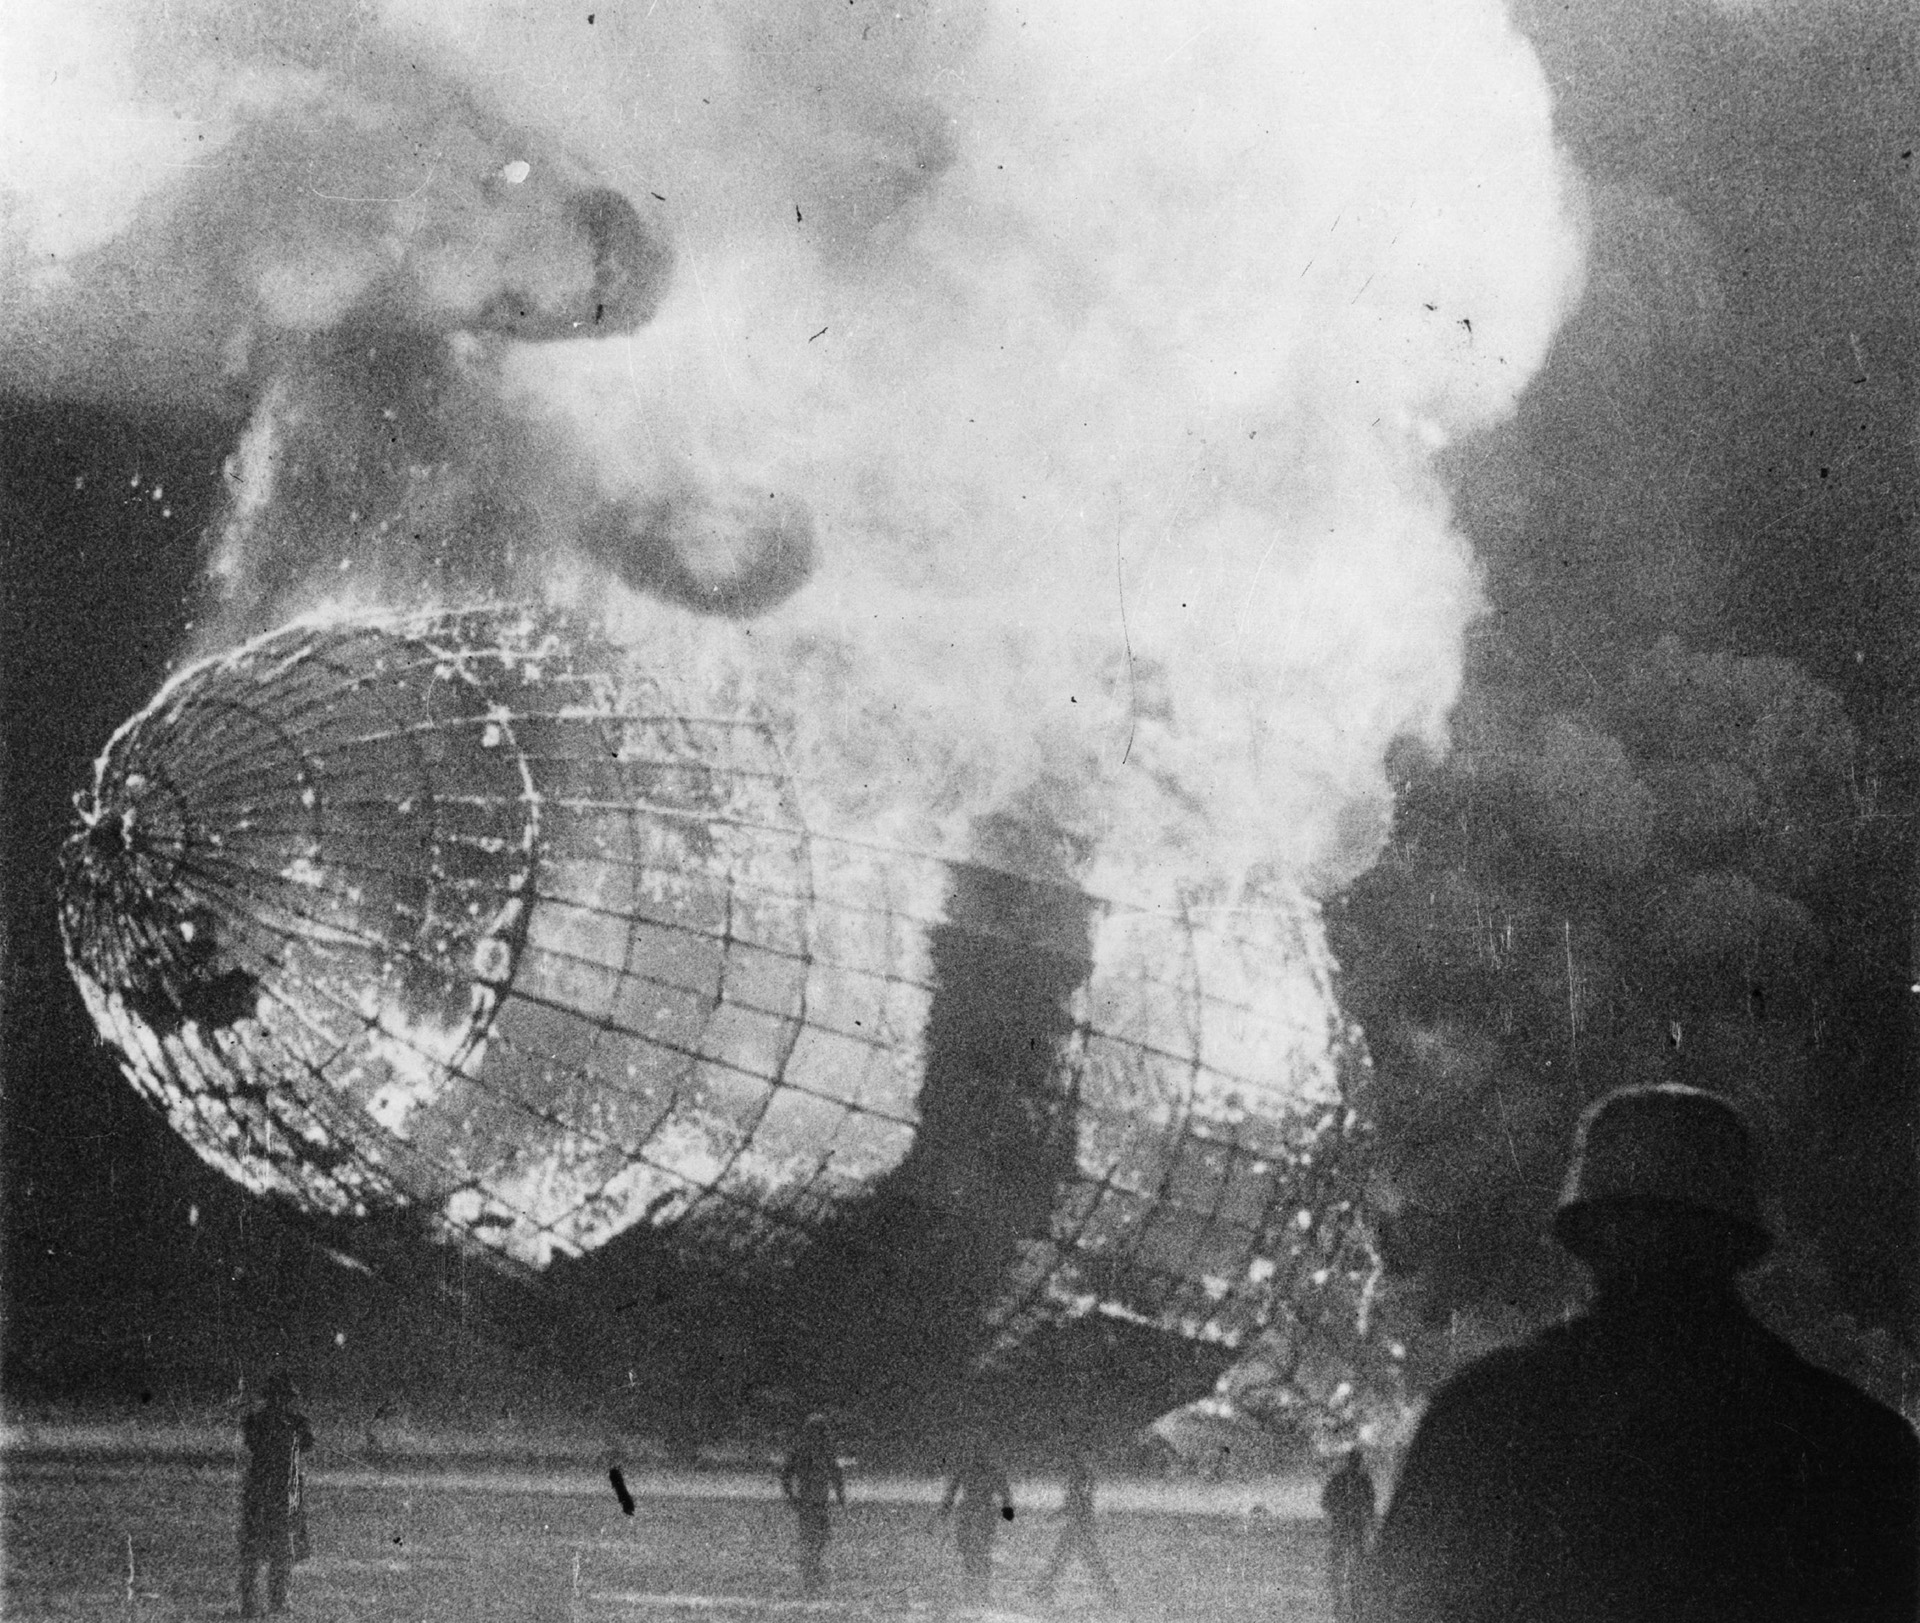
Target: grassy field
89 1537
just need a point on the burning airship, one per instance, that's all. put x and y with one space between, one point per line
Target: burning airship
474 928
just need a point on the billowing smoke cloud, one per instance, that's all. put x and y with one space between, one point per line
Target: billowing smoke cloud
1673 838
1638 889
1084 365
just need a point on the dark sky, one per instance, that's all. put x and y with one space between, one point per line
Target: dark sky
1676 834
1685 774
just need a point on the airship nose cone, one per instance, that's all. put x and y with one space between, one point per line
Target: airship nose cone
127 922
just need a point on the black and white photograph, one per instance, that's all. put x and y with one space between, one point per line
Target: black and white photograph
893 810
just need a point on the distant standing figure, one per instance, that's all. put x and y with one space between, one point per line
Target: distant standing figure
1662 1455
809 1481
273 1507
1077 1536
1348 1502
979 1498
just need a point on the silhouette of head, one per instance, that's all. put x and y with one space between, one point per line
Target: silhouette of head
1662 1182
279 1389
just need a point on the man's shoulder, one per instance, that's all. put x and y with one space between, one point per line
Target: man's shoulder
1555 1360
1865 1418
1495 1377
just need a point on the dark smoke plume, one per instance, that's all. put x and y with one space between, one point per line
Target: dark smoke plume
1674 837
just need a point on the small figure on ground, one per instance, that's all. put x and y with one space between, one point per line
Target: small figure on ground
978 1498
1662 1455
1348 1502
273 1502
810 1481
1077 1534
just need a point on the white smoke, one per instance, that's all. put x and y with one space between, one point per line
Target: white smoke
1106 346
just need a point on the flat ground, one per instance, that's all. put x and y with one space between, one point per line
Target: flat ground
554 1547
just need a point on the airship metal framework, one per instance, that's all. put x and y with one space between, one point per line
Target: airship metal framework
477 917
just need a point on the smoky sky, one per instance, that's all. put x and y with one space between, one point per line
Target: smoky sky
1674 835
1666 831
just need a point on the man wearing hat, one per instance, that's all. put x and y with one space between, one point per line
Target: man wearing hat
273 1512
1661 1456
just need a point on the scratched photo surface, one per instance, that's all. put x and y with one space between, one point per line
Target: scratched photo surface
980 719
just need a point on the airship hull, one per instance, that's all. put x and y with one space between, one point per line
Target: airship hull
472 928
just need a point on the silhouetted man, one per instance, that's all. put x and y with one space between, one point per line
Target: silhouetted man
1348 1502
1662 1456
273 1510
979 1498
1077 1535
809 1481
